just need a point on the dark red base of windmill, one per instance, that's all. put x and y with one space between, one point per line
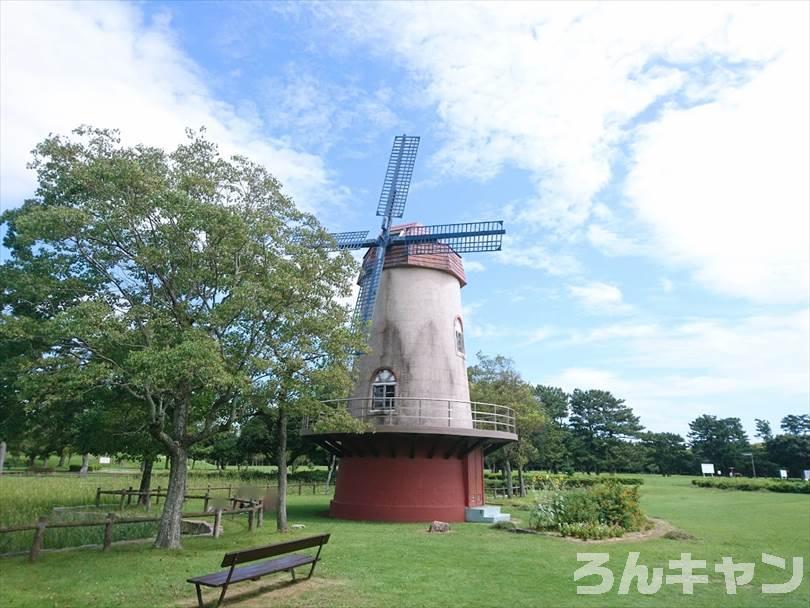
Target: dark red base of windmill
410 479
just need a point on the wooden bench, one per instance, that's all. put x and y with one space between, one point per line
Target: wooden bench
254 572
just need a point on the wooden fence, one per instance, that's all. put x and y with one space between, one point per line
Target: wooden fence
128 493
255 513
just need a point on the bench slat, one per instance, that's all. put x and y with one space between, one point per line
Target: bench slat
250 555
281 564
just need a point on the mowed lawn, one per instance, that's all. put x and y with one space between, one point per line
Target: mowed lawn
371 564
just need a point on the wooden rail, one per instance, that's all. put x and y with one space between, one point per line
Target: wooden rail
255 513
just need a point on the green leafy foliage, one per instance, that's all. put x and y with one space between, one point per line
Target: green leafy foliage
605 509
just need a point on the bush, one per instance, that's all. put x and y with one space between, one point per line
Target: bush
595 512
752 485
591 531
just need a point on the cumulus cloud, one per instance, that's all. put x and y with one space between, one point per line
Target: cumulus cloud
599 297
64 64
708 102
671 374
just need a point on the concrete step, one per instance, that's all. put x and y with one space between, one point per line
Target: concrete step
486 514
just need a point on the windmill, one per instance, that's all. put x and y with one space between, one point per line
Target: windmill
422 456
466 237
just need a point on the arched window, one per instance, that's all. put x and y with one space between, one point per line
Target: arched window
459 331
383 390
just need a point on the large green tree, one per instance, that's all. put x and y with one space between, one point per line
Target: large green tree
667 452
599 424
551 440
496 380
198 290
720 441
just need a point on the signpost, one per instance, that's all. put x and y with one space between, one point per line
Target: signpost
707 469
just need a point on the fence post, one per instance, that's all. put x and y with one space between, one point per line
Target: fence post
250 519
260 521
207 496
108 531
39 536
129 496
98 496
300 485
123 498
217 522
229 490
148 499
157 497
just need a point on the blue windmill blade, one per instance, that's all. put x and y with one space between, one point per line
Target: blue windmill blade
350 240
462 238
369 285
398 176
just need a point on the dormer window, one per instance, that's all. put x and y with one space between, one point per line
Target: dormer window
383 390
459 333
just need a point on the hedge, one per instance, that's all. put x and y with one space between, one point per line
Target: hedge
752 485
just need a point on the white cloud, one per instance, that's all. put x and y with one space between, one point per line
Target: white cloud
672 373
600 297
474 266
65 64
317 112
667 285
725 186
555 89
538 257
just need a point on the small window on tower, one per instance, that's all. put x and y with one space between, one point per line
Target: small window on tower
459 329
383 390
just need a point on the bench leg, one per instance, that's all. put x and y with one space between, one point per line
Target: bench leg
312 569
221 595
199 597
292 571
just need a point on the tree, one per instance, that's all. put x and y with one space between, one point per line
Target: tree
791 452
718 441
796 425
495 380
550 441
763 429
667 452
599 424
191 276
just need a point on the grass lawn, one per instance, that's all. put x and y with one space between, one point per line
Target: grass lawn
371 564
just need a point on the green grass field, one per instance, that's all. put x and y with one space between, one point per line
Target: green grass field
371 564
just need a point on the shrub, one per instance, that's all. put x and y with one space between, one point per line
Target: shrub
609 505
591 531
618 505
751 485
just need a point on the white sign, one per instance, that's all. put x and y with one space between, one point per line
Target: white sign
806 474
104 460
783 473
707 469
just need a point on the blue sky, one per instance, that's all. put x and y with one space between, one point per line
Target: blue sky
650 161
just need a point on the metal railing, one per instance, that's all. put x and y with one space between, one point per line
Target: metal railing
428 413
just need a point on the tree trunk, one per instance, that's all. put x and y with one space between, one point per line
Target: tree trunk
146 479
61 459
330 473
85 465
507 474
168 536
2 456
281 461
522 481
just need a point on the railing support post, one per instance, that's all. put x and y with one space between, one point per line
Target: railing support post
217 522
39 536
108 531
